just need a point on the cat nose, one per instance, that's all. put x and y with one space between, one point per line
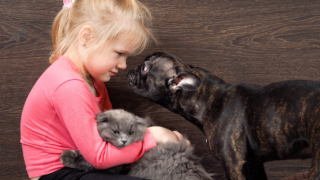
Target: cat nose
124 142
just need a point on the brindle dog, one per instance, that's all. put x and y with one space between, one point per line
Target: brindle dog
245 125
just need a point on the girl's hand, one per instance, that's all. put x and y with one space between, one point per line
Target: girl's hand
163 135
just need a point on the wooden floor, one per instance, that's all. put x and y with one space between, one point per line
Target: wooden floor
238 40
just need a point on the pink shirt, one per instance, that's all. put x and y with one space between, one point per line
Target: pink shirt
59 114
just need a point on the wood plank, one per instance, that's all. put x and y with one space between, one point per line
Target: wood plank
240 41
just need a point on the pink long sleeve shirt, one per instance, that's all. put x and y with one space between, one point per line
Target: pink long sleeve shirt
59 114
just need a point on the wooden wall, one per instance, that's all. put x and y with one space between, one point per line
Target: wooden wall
251 41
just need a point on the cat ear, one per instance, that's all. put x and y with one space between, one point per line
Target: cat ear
185 81
102 117
145 121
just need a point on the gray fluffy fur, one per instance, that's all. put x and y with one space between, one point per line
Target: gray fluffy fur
168 161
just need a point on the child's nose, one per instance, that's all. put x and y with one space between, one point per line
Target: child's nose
122 64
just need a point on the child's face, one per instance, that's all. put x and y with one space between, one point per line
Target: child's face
110 59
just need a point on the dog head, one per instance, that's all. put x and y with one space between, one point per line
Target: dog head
163 78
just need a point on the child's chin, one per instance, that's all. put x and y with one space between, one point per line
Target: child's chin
106 79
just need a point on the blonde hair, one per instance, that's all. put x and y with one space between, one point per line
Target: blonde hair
109 20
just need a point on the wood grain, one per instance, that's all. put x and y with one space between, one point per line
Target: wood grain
251 41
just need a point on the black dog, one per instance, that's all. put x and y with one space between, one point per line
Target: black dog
245 125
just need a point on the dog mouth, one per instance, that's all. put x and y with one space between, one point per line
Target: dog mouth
137 82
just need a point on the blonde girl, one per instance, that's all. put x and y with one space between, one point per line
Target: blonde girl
92 40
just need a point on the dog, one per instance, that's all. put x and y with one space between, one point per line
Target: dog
245 125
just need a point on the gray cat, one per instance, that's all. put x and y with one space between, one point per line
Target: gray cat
168 161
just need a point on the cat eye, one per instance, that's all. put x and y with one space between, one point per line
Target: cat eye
116 132
130 133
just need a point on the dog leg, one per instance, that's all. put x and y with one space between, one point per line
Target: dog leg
314 134
235 172
246 171
241 166
254 170
314 172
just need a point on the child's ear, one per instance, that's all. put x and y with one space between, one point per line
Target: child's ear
85 35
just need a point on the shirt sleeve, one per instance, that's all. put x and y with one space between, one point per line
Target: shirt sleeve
76 107
105 101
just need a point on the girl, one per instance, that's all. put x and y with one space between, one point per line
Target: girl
92 40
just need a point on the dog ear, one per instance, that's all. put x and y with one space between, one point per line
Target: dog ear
184 81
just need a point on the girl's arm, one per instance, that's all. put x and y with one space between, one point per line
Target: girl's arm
77 109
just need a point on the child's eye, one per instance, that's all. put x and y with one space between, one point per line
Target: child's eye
116 132
119 53
130 133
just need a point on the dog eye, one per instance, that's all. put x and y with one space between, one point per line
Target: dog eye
130 133
144 68
116 132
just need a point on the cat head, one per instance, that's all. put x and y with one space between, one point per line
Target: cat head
121 128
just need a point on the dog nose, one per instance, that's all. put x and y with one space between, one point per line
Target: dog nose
124 142
132 78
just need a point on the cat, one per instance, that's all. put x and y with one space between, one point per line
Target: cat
168 161
117 126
